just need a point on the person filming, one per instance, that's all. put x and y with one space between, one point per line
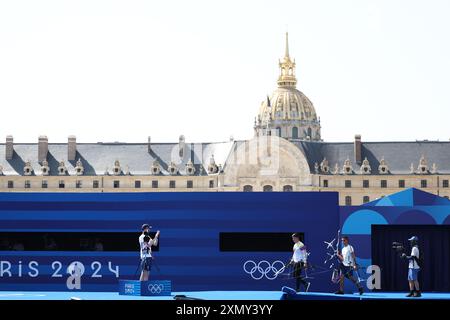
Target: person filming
413 267
145 245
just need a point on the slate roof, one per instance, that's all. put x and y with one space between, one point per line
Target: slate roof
398 155
135 158
99 157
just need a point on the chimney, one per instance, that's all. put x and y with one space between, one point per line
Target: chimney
149 144
9 148
181 145
42 148
358 151
71 148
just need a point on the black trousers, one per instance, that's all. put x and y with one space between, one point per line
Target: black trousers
297 275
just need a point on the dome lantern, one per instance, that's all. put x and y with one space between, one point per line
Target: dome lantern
287 69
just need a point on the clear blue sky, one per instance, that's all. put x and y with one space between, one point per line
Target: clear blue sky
124 70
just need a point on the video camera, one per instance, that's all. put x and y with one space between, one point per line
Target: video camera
398 247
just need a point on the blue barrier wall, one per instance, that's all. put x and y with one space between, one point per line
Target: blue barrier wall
190 225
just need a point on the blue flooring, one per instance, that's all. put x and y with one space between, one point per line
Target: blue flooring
214 295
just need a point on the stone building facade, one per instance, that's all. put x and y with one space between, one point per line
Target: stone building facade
286 154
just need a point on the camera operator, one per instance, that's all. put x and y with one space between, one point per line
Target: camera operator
145 244
413 267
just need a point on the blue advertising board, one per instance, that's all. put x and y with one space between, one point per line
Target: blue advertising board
209 241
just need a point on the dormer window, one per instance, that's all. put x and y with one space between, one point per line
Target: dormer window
383 167
45 168
62 170
365 167
79 169
212 167
155 169
423 166
28 169
190 169
347 168
173 170
117 170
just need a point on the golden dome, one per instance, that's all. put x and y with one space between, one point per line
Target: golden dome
288 110
288 103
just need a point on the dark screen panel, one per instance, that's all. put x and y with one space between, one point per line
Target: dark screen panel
257 241
71 241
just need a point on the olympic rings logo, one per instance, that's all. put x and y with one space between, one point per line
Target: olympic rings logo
155 288
263 269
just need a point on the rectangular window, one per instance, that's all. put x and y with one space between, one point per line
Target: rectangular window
348 201
190 184
325 183
384 183
137 184
95 184
211 183
423 183
27 184
401 183
257 241
61 184
366 199
365 183
44 184
155 184
445 183
78 184
116 184
348 183
10 184
172 184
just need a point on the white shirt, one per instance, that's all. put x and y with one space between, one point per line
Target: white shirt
412 262
144 246
347 254
299 252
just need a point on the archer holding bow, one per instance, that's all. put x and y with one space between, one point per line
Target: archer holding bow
299 262
347 265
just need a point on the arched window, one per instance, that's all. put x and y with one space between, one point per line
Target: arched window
267 188
309 133
366 199
348 201
248 188
295 133
287 188
279 131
